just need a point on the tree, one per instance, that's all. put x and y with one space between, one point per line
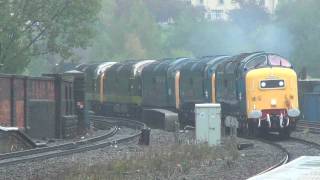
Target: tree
301 18
249 16
165 10
126 31
31 28
179 35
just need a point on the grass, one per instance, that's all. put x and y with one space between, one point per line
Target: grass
164 162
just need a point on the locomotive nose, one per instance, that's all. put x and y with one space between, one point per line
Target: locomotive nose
273 102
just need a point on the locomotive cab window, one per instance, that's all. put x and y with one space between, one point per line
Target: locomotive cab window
275 60
272 84
256 62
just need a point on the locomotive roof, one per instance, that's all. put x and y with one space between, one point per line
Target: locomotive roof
132 66
73 72
158 66
241 61
178 63
217 61
165 64
244 57
80 67
140 65
86 67
103 67
202 63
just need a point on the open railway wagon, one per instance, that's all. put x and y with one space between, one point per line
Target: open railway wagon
42 107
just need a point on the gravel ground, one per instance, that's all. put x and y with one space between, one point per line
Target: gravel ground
297 149
90 134
307 136
50 168
248 162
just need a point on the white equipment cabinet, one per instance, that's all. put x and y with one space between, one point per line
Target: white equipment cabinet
208 123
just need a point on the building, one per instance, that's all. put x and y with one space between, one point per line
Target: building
218 9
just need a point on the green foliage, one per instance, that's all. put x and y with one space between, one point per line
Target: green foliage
250 16
201 37
163 162
304 27
99 30
165 10
126 30
29 28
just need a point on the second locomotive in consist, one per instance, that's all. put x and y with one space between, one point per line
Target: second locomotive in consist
258 91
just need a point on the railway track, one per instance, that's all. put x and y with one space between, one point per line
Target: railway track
291 149
306 142
313 127
78 146
286 157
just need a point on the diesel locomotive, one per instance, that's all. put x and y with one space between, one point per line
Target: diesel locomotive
258 91
197 85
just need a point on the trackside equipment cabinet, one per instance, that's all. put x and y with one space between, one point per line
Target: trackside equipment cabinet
208 123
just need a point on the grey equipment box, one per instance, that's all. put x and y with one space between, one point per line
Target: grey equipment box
208 123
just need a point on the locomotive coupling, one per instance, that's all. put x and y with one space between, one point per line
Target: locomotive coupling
281 120
269 120
287 122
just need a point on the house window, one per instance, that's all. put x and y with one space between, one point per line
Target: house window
262 3
215 15
221 1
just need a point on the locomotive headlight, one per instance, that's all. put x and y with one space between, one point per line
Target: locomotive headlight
281 83
263 84
273 102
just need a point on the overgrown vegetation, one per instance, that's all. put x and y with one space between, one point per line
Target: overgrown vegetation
38 33
33 28
163 163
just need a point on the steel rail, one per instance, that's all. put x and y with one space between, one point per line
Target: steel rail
287 156
69 145
80 146
313 127
283 161
306 142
